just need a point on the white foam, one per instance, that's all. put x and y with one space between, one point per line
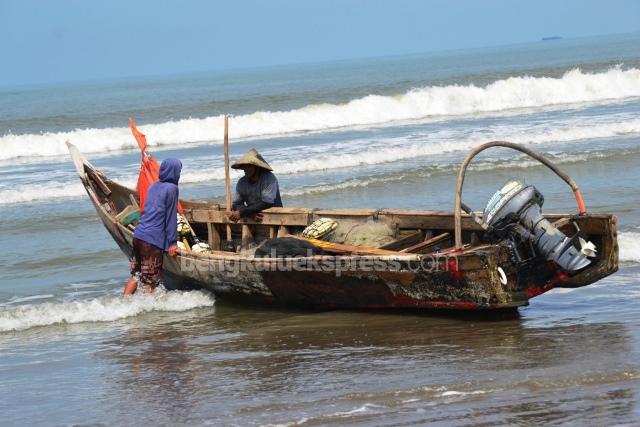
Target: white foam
361 152
348 184
364 408
323 419
629 245
574 86
36 192
16 300
63 189
104 309
486 165
374 152
452 393
299 422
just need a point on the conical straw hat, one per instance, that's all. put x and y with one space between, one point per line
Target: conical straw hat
251 157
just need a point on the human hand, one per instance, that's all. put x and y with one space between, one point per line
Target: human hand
258 217
233 215
173 250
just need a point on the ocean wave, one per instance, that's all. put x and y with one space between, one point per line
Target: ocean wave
17 300
629 244
518 162
512 93
369 153
38 192
355 413
105 309
385 151
459 394
423 172
347 184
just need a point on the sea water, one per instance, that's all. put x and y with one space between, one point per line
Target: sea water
381 132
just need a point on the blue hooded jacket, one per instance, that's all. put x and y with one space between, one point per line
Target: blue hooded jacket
158 224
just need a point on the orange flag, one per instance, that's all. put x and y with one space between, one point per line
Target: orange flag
149 167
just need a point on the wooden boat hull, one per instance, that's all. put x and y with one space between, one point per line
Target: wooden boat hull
481 277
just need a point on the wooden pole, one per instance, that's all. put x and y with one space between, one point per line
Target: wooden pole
227 176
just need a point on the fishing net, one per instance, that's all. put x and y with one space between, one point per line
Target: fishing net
371 233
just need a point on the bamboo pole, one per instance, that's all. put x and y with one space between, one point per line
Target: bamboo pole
227 176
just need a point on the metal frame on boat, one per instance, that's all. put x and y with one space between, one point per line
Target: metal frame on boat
440 260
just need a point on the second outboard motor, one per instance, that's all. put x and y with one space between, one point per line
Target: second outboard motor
516 208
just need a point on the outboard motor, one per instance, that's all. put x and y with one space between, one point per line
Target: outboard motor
516 209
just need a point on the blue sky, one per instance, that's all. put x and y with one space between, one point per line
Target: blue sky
50 41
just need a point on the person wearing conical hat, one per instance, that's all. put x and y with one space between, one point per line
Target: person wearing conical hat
257 190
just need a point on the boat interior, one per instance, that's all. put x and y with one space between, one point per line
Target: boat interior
411 232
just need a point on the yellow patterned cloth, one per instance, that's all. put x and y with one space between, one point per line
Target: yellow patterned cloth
320 228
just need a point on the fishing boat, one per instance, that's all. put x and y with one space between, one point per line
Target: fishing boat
463 259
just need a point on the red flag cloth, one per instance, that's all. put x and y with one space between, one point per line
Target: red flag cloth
149 167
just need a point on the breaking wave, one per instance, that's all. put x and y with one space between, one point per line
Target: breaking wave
520 162
64 189
105 309
37 192
347 184
364 153
574 86
629 244
367 153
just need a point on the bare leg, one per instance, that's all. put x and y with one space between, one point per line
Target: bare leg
131 286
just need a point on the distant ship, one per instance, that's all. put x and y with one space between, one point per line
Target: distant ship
544 39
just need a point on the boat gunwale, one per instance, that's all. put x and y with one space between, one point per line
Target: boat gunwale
226 255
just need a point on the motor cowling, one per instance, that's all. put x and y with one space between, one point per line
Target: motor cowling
516 209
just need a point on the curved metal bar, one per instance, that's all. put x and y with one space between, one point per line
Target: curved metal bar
463 169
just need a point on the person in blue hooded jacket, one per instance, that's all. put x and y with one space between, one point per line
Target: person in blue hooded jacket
156 231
